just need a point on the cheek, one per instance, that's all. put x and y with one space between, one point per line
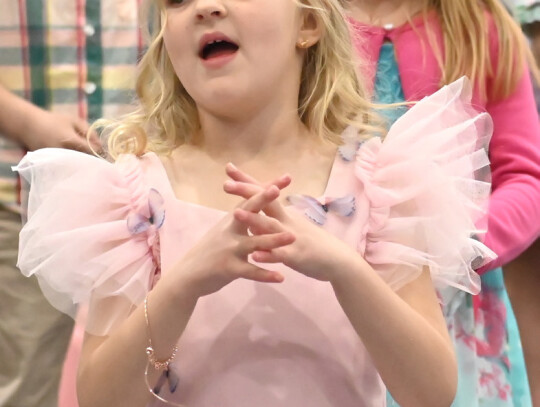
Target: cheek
271 42
275 35
178 49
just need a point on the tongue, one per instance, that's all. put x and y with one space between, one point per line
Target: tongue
219 52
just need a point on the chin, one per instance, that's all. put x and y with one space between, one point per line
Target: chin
229 104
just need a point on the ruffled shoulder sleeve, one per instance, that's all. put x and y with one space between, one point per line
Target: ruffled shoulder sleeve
90 234
428 186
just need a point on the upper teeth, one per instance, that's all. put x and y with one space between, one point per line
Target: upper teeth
214 42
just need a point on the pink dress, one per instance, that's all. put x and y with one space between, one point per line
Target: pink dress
417 203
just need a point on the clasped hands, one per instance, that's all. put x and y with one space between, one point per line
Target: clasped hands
263 229
306 247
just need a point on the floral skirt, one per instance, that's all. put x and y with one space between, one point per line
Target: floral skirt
488 348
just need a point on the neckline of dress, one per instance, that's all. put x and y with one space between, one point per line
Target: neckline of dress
170 190
415 22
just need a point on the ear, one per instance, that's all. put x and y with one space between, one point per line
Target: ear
311 29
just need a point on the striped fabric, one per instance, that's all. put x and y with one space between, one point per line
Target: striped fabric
71 56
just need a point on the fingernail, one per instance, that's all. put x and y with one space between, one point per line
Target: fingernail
231 166
229 183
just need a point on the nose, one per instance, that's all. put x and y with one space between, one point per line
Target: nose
210 9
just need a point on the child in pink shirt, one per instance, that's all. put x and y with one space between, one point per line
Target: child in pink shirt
421 44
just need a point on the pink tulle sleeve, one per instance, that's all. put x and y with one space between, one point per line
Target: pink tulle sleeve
76 238
428 186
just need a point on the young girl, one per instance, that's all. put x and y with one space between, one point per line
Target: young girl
204 286
412 48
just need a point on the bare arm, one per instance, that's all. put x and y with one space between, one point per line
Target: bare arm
34 128
405 334
111 369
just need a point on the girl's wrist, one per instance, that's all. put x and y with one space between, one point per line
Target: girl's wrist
166 313
349 265
179 291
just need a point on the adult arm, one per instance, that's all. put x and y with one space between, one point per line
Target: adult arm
35 128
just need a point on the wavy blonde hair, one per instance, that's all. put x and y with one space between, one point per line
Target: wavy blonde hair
466 44
331 95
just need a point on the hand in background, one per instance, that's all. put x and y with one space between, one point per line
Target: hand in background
35 128
50 129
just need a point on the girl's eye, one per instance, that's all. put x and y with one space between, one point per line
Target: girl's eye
174 2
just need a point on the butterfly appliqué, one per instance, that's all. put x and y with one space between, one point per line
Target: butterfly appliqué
318 212
351 143
138 223
169 376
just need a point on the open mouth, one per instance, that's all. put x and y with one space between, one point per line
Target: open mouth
217 48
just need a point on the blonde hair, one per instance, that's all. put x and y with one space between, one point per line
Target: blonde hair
466 44
331 96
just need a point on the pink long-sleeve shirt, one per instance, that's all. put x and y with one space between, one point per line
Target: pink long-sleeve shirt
514 212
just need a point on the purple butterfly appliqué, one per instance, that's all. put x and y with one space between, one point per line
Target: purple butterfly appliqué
138 223
317 211
347 151
169 376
